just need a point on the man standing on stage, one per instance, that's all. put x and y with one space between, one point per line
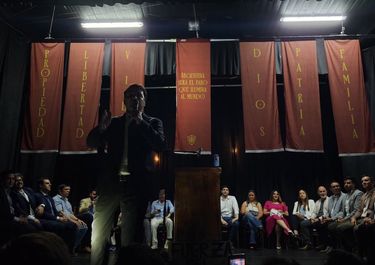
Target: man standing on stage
129 141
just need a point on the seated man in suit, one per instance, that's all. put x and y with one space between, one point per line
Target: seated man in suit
63 206
363 219
10 224
343 228
50 217
158 214
24 202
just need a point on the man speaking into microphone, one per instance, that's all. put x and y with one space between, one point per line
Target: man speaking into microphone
129 141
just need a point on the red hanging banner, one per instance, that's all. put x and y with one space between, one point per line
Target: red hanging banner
82 96
301 91
259 97
128 67
193 97
348 95
42 122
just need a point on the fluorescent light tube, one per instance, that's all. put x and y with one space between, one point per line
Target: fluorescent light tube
106 25
313 19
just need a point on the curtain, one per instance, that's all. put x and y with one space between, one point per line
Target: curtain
160 58
356 166
225 58
15 67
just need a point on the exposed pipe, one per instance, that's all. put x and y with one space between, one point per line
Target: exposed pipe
49 37
196 22
252 38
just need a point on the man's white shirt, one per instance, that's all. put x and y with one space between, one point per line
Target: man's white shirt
229 206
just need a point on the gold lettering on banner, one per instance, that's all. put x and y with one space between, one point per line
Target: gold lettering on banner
256 53
80 132
346 78
355 135
299 80
299 98
45 59
123 108
262 131
260 104
41 123
298 51
127 53
341 51
346 82
298 83
39 132
344 68
84 76
45 73
192 86
350 106
258 78
81 107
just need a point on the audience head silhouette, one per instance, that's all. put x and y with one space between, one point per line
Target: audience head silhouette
43 248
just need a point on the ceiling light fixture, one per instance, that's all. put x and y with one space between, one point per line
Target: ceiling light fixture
106 25
313 19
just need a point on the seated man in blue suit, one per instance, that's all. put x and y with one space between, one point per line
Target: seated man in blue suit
52 220
24 202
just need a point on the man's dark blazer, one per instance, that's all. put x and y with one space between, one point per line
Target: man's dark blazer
21 205
50 212
143 138
5 215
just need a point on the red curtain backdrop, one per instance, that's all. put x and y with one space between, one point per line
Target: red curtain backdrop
259 97
128 67
349 102
301 91
82 96
193 96
42 122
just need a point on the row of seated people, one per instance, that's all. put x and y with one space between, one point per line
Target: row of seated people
343 220
24 211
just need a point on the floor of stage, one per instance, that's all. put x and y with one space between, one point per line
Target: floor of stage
253 257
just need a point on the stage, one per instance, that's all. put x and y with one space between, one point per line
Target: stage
253 257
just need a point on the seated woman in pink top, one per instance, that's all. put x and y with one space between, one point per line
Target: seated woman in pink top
276 210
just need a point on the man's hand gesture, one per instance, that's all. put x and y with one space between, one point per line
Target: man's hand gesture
105 120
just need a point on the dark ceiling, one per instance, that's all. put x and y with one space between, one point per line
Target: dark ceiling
251 19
